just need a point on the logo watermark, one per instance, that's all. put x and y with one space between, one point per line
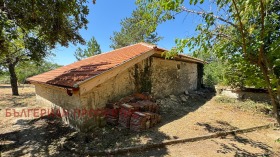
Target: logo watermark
41 112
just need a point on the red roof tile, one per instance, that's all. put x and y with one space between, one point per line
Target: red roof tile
71 74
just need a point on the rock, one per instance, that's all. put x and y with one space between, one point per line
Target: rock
186 92
158 101
184 98
199 93
173 97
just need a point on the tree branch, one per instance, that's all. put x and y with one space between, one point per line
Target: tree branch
261 52
226 36
241 28
204 13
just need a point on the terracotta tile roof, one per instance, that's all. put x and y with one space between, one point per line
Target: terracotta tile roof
71 74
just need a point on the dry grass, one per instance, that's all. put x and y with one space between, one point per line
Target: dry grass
26 98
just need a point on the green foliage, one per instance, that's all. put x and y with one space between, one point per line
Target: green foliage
40 25
4 78
93 48
240 73
28 30
237 34
28 69
235 72
245 29
54 21
214 73
133 31
4 75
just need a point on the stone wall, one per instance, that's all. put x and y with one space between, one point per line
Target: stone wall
58 99
172 77
110 91
158 76
134 79
200 71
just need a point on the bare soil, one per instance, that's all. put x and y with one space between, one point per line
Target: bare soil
200 115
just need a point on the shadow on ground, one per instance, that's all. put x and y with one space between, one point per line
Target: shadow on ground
23 100
37 137
236 145
44 136
237 142
112 137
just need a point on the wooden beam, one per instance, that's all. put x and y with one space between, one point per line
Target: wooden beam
180 58
99 79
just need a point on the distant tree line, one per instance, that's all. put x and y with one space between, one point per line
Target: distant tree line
27 69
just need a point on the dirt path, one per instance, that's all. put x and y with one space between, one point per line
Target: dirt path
29 136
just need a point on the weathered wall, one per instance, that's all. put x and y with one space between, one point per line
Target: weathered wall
172 77
157 76
57 96
200 71
130 81
58 99
134 79
109 91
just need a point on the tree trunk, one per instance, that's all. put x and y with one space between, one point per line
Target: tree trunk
275 104
13 79
275 99
277 108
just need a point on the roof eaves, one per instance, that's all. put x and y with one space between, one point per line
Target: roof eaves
76 85
193 58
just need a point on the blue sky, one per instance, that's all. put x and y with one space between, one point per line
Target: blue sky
104 18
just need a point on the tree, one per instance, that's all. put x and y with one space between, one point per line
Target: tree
239 73
28 30
235 72
19 50
29 68
248 29
93 48
132 32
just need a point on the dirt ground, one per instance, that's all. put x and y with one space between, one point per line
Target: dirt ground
200 115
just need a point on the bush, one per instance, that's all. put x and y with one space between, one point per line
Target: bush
213 74
4 79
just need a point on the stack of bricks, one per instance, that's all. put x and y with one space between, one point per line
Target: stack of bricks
125 115
136 112
112 116
147 106
154 118
138 121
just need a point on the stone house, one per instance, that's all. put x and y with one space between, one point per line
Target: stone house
107 77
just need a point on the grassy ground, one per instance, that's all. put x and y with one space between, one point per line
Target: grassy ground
30 136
